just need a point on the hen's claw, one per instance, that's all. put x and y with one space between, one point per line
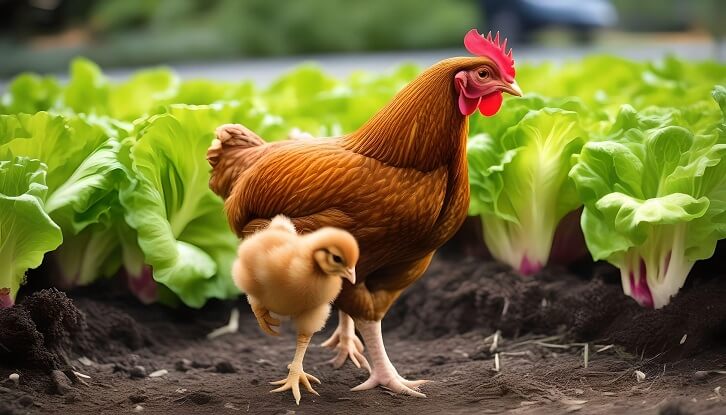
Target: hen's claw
347 344
293 380
335 340
347 347
394 382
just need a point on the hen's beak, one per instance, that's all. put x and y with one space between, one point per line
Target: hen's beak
349 274
512 89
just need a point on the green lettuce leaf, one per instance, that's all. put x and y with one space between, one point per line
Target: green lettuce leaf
182 229
26 231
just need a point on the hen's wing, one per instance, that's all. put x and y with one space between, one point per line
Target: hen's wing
317 183
304 180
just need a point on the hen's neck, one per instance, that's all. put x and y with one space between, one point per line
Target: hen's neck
420 128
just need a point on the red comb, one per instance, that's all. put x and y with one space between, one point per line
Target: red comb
479 45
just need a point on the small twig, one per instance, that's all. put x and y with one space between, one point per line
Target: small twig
505 308
530 341
495 342
81 375
602 349
586 354
554 346
496 362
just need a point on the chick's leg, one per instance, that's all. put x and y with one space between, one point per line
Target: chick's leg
346 343
383 372
296 374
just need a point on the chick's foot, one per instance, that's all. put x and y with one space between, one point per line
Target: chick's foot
347 344
383 373
297 375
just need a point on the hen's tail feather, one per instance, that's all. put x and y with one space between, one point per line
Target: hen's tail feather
234 150
228 136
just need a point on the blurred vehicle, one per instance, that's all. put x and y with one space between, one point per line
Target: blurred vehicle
520 19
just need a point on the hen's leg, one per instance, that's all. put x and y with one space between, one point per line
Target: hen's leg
296 374
383 373
347 344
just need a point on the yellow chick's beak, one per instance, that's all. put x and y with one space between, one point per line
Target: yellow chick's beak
349 275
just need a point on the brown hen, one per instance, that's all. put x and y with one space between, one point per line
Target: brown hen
399 185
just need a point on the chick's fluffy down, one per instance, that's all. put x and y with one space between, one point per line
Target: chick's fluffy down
276 269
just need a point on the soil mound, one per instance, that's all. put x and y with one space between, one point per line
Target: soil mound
37 333
457 297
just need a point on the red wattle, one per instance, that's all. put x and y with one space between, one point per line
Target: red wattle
490 104
467 106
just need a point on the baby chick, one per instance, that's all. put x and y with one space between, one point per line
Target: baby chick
298 276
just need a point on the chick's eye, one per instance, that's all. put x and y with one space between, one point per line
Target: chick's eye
337 259
483 73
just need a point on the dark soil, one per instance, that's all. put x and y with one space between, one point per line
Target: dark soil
441 329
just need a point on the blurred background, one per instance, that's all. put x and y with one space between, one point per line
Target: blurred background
229 39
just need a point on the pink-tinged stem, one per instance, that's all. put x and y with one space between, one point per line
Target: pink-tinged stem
639 290
143 285
527 267
6 301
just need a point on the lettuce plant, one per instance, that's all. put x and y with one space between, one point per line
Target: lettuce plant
655 199
26 230
83 174
181 227
519 183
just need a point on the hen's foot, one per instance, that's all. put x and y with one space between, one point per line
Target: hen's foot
231 327
383 373
347 344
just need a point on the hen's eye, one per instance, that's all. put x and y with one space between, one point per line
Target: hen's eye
483 74
337 259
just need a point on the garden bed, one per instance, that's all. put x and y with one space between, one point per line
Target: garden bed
441 329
